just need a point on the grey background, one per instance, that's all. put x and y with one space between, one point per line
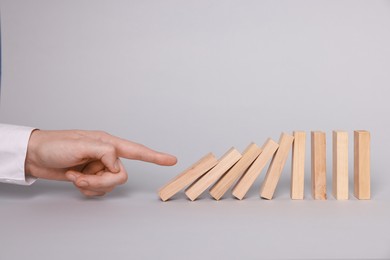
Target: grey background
190 77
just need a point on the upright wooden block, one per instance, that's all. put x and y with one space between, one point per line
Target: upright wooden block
276 167
223 184
224 164
340 165
318 165
269 148
362 165
188 176
298 166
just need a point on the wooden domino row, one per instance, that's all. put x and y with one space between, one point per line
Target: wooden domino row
239 171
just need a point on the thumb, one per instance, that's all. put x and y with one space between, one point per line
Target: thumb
104 152
72 175
77 178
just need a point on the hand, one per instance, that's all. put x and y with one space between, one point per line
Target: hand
89 159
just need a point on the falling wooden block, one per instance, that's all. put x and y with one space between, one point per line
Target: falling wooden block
362 165
318 165
224 164
276 167
340 165
188 176
269 148
298 166
223 184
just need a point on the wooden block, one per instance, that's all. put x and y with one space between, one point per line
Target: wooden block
298 166
224 164
340 165
318 165
362 165
276 167
223 184
188 176
269 148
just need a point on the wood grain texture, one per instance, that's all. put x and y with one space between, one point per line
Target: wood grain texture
340 165
298 166
226 181
187 177
268 150
276 167
362 186
318 165
224 164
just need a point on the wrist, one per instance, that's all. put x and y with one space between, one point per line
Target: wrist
31 153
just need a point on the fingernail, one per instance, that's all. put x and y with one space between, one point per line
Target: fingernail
71 177
116 165
82 184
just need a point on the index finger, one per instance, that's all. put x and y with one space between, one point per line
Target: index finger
131 150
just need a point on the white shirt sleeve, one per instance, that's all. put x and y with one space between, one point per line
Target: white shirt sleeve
13 150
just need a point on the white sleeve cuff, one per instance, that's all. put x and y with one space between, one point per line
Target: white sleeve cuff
13 151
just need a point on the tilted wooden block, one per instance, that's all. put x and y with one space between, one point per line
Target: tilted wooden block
269 148
276 167
226 181
340 165
318 165
362 165
224 164
298 166
188 176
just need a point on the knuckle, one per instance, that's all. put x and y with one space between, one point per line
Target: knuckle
123 179
99 132
98 184
98 135
102 134
110 149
